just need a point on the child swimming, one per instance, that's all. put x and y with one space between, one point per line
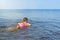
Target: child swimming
24 24
21 25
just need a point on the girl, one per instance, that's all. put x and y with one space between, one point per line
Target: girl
23 25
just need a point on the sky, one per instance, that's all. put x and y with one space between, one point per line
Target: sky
29 4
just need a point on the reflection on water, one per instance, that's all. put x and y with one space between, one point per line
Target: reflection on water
40 30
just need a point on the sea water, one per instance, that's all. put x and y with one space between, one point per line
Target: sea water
45 24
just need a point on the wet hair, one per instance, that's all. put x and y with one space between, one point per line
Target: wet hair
25 19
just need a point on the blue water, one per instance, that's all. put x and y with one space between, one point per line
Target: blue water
45 24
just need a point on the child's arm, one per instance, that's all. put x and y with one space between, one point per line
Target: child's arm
18 26
28 24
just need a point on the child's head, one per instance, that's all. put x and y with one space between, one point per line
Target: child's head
25 19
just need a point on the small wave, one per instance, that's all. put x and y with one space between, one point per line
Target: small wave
3 26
